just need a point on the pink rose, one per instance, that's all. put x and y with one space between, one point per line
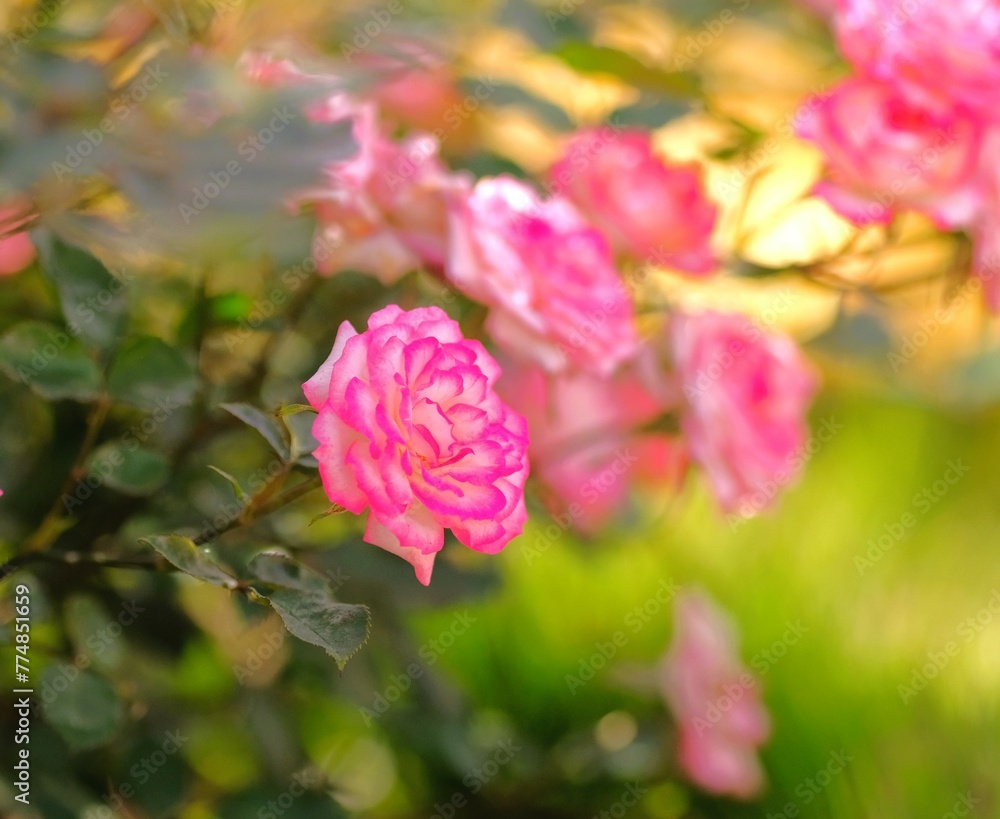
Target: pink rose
415 85
701 672
548 277
986 231
16 249
746 396
650 210
409 427
943 53
385 210
887 154
586 444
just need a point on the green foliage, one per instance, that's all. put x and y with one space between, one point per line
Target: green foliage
49 361
84 707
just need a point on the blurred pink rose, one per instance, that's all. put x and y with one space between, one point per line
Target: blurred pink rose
649 209
415 85
886 154
548 277
586 446
16 249
942 53
715 700
409 426
746 394
385 210
986 231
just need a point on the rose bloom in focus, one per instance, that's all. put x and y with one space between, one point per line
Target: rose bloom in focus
887 154
650 210
746 397
548 277
410 428
715 700
586 444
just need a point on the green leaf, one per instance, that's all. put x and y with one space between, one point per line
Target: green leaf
267 425
278 568
592 59
186 556
294 409
149 373
238 490
85 709
92 299
316 618
305 602
136 472
90 627
50 361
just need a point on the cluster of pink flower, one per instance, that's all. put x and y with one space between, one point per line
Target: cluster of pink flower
410 424
917 127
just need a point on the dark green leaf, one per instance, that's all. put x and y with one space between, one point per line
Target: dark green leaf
88 623
186 556
50 361
267 425
151 374
316 618
135 472
85 708
92 299
278 568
